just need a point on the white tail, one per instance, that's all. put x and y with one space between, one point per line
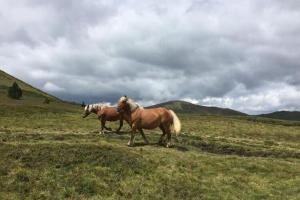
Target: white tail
176 126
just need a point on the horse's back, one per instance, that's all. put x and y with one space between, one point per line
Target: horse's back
153 117
110 113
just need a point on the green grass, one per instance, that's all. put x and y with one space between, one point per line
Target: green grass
50 152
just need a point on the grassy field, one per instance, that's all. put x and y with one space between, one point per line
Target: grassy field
50 152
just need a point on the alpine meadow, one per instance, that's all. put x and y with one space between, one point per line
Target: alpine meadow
149 100
49 152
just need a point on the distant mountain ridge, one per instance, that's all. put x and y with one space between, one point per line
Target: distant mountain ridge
187 107
35 97
284 115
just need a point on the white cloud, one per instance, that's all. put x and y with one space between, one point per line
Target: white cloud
200 51
276 97
51 87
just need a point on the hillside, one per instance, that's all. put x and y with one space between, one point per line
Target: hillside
32 97
186 107
6 81
284 115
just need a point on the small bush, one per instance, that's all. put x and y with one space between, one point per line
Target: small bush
15 92
46 101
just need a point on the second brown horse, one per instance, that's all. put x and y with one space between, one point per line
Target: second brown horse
104 113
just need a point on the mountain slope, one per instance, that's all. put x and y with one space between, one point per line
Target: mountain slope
32 97
6 81
186 107
285 115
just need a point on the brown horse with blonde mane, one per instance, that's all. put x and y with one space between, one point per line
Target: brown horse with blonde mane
140 118
104 113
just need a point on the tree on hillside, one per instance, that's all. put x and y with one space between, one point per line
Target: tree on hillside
46 100
15 92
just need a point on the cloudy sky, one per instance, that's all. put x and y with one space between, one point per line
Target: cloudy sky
238 54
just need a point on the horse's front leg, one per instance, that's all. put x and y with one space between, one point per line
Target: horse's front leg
121 125
132 136
143 135
102 126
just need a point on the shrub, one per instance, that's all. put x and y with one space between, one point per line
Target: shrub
15 92
46 100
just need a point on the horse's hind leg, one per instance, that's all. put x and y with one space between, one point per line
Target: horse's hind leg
102 125
143 135
107 128
161 139
168 132
103 121
169 139
121 125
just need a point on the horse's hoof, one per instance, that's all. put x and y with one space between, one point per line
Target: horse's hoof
130 144
168 145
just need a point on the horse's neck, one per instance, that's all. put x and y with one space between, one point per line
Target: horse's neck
96 108
133 106
95 111
133 115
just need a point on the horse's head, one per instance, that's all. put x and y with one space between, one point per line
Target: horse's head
87 111
123 105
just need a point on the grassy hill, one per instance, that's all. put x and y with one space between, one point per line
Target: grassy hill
6 81
50 152
32 97
284 115
186 107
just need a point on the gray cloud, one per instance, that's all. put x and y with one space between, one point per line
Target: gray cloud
238 54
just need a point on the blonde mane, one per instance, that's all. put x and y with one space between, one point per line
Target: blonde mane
132 104
96 106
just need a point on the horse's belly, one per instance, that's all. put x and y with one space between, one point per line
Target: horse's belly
149 126
111 115
113 118
150 121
